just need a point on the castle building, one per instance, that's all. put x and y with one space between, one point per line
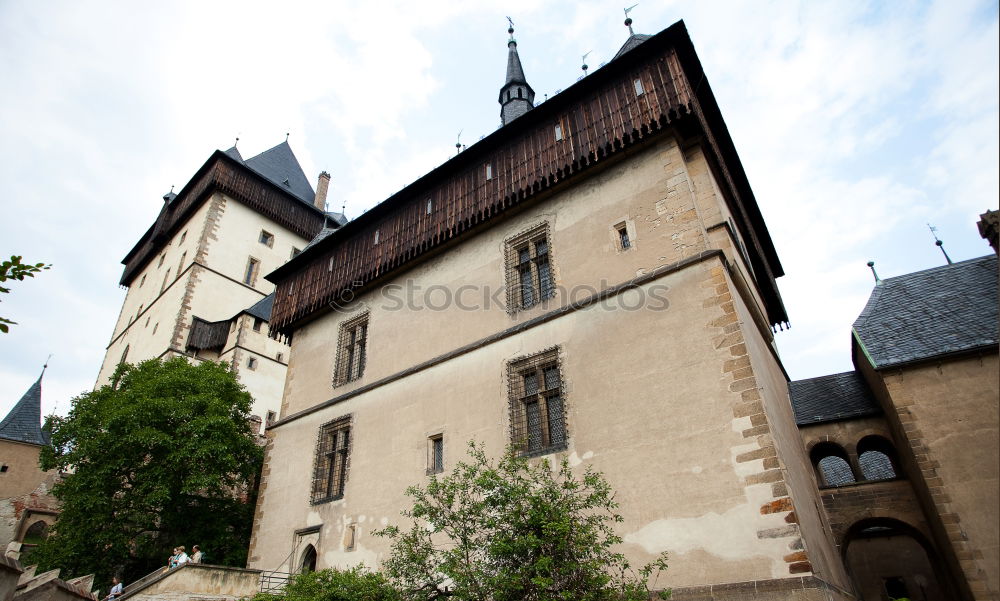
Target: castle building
195 278
594 280
905 447
27 509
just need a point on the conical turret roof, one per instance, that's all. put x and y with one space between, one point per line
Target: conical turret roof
24 422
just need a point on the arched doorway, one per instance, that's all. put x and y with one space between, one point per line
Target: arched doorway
308 563
889 559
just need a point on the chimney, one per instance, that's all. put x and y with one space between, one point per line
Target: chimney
322 187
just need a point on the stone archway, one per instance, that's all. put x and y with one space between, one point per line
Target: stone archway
308 562
890 559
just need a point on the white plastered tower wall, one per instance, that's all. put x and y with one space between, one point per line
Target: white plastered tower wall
201 271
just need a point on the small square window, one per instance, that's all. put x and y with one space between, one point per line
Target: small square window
435 454
559 135
351 350
252 363
279 357
267 238
271 418
3 469
638 87
257 322
295 252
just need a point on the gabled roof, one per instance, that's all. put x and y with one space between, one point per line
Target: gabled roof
831 398
935 312
24 422
633 40
279 165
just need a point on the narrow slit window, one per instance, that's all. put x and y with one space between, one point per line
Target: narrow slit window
623 240
489 172
279 357
435 454
160 263
638 87
180 264
430 206
183 238
166 278
142 281
559 135
376 236
252 363
250 275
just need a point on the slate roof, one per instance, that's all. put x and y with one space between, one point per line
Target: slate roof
24 422
831 398
279 165
235 153
262 308
633 40
930 313
515 73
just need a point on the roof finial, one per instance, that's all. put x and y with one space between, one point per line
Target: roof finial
939 243
584 61
871 265
171 190
628 19
458 141
510 30
286 136
44 367
237 142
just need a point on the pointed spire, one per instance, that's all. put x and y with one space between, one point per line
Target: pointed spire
516 96
24 422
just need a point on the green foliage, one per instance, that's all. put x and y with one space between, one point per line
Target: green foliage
14 269
356 584
163 456
514 531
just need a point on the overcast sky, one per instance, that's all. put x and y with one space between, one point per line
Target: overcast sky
857 122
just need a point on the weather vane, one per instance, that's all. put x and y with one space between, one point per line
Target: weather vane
584 60
458 140
939 243
510 29
628 19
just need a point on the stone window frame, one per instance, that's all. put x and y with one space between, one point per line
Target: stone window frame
822 451
515 268
332 460
552 437
874 443
352 350
251 271
435 453
266 238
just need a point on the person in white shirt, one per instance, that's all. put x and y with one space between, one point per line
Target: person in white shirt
116 590
182 557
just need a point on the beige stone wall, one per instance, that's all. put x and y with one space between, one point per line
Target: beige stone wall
265 381
654 398
23 487
948 411
193 581
23 473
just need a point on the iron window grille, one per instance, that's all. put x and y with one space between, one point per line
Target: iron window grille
351 350
537 408
333 454
529 269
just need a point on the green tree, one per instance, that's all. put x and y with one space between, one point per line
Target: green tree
162 456
514 530
14 269
355 584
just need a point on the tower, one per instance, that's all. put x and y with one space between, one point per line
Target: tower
195 278
26 508
516 96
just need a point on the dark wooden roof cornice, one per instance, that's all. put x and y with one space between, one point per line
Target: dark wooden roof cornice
601 118
222 173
